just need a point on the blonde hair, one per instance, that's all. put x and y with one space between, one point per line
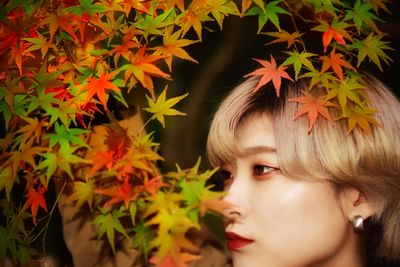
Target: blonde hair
368 162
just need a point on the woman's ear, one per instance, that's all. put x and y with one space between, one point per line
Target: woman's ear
354 203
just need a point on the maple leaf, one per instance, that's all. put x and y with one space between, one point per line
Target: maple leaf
43 100
336 30
221 8
147 147
7 179
142 67
270 12
247 3
152 185
13 87
162 107
64 136
86 7
18 54
173 47
269 72
191 19
128 42
35 199
33 129
109 223
83 192
380 4
313 107
172 3
361 15
100 160
26 154
62 20
298 60
175 259
60 160
372 46
40 43
152 25
335 61
284 36
346 89
98 86
325 79
118 193
361 116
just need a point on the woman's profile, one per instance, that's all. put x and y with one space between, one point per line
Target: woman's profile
300 198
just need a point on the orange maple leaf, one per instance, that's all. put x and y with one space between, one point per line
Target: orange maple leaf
142 67
64 21
180 260
268 73
284 36
313 107
173 47
100 160
98 86
335 61
153 184
118 193
35 200
128 43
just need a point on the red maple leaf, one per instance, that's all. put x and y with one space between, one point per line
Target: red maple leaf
268 73
332 33
98 86
35 200
335 61
313 107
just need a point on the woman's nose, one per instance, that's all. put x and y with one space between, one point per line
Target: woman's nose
239 204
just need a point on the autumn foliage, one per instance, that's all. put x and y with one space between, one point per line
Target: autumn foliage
64 59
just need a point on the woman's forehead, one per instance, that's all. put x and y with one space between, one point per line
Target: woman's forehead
256 132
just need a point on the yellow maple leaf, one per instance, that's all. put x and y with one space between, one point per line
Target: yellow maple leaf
162 106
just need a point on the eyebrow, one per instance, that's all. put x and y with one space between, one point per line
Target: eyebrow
256 150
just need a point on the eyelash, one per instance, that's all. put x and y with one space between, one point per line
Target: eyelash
259 170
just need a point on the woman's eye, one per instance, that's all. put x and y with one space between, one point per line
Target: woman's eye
226 176
260 170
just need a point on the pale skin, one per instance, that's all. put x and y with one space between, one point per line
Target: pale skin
293 223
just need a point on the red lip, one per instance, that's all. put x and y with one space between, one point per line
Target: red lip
236 242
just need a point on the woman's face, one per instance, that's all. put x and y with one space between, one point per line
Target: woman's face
277 221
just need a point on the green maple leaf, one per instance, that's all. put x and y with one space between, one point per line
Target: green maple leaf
142 238
42 100
372 46
60 160
323 6
347 89
155 25
162 107
298 60
362 15
83 193
325 79
64 136
270 12
109 223
7 180
39 43
86 7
